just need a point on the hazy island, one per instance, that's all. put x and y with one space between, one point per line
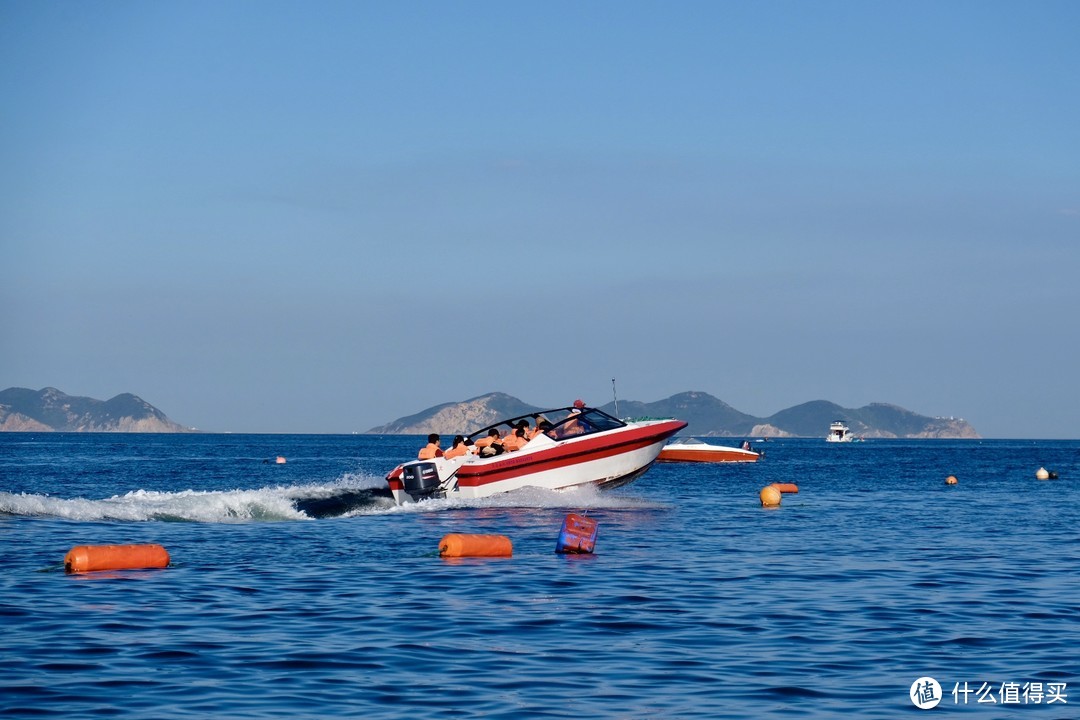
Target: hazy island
50 410
707 417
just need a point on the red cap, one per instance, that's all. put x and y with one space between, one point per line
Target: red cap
579 403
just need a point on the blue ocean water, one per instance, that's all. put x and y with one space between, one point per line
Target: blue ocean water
296 592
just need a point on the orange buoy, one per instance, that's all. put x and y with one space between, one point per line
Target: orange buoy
462 545
578 535
280 460
786 487
770 496
92 558
951 480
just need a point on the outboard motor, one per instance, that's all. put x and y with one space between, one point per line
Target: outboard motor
421 479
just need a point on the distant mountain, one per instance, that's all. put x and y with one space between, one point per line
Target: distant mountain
699 409
461 417
876 420
706 415
49 410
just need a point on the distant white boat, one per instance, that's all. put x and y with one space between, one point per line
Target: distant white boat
839 432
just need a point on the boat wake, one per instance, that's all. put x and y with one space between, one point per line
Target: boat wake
351 494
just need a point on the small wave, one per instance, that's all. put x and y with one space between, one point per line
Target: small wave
300 502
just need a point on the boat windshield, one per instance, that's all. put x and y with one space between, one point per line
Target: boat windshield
586 422
565 423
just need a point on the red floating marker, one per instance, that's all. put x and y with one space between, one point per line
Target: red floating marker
461 545
578 535
92 558
786 487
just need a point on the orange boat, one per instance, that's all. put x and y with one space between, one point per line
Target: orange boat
694 450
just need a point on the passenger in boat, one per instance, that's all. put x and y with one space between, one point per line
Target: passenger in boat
490 445
515 441
540 420
459 448
573 426
746 445
432 449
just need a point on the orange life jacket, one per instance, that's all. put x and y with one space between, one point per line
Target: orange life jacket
513 442
455 451
429 452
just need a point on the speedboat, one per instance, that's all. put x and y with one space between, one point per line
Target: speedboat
694 450
839 432
578 446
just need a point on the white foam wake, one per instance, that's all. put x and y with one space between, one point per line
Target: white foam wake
210 506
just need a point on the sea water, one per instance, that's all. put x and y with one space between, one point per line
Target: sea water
298 591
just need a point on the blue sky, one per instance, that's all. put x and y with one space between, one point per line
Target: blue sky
319 217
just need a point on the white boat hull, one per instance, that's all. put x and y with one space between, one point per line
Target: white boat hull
705 453
839 433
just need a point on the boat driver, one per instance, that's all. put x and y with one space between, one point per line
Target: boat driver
574 424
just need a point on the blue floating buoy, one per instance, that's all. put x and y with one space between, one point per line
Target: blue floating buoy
578 535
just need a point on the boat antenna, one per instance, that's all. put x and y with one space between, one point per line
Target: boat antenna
616 396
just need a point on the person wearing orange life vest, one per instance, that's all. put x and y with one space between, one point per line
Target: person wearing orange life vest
490 445
432 449
459 448
522 425
536 430
515 441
